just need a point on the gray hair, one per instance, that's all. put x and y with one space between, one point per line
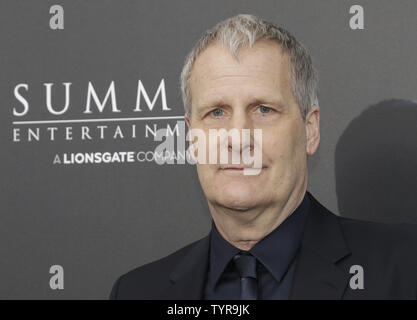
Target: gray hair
245 29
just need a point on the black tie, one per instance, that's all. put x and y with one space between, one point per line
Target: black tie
246 266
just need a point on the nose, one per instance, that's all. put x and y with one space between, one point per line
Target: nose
242 123
240 119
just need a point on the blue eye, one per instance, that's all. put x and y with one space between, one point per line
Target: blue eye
264 109
217 112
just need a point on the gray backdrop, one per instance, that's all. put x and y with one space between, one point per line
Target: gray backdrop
100 220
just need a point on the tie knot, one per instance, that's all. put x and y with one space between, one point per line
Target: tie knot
245 264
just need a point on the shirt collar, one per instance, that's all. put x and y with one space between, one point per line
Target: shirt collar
276 251
221 252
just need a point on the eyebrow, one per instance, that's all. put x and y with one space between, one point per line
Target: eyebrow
276 102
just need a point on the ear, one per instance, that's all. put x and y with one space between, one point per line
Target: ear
312 124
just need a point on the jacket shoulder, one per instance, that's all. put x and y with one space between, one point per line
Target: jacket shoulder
149 279
390 234
387 245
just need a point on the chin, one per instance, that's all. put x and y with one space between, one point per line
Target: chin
237 195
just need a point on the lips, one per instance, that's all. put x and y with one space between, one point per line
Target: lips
238 168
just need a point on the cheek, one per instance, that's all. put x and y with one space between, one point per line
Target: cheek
206 173
283 143
276 145
203 176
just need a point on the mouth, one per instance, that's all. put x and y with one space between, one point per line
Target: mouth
238 168
241 171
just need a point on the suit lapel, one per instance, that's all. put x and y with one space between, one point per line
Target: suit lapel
189 274
317 275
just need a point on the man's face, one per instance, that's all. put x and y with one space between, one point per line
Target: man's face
253 92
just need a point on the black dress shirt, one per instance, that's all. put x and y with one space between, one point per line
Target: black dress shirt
276 255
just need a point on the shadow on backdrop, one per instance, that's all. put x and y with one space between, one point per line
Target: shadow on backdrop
376 164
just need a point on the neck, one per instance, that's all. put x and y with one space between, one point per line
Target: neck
245 228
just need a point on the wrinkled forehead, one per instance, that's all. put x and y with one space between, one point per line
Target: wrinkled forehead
261 70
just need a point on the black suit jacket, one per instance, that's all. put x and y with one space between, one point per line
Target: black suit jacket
331 245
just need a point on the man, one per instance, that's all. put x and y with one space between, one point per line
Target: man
270 238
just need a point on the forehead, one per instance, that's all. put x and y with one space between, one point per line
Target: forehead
263 70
